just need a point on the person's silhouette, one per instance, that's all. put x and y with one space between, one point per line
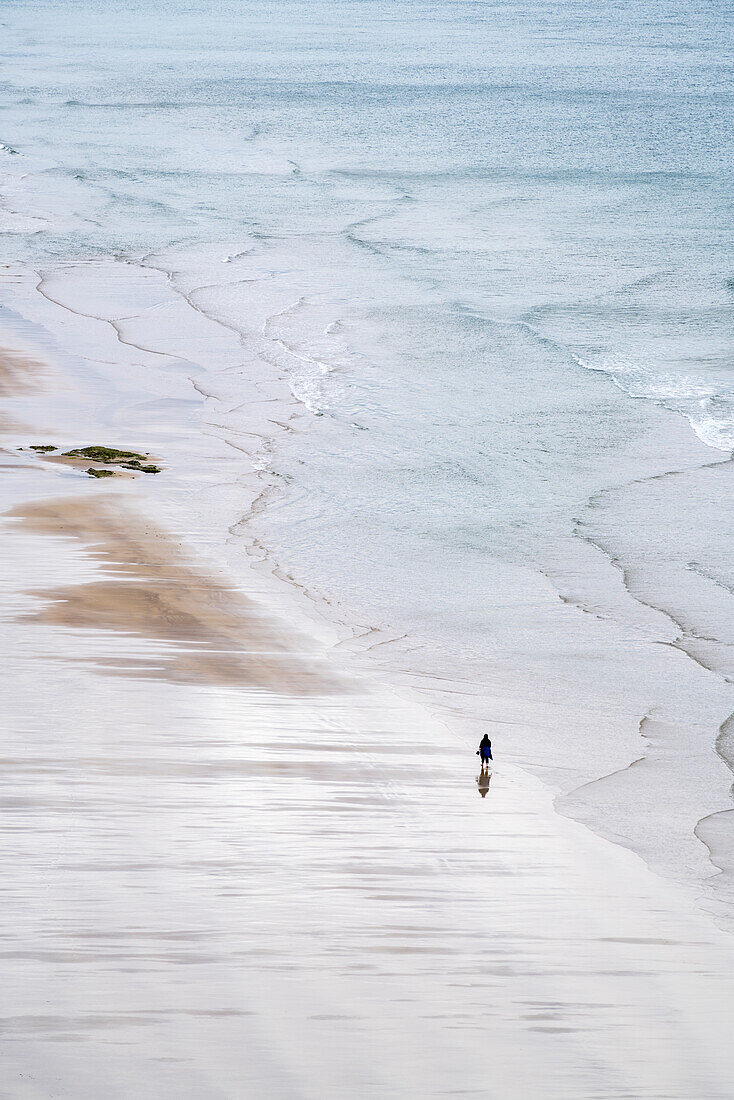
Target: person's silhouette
484 752
483 781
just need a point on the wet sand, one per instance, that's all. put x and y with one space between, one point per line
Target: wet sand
234 868
147 588
20 372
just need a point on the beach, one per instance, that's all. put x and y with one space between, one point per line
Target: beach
239 865
416 327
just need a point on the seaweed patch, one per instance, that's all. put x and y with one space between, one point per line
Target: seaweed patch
108 455
133 461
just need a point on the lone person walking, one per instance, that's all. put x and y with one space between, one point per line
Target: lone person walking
484 752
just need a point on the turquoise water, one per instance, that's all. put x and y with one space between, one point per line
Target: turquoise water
489 247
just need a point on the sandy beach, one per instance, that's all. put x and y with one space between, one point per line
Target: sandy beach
238 867
366 388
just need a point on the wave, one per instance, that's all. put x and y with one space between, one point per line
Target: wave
709 411
305 372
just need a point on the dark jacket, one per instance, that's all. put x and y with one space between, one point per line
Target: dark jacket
485 748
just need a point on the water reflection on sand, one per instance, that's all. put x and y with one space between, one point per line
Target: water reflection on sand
281 883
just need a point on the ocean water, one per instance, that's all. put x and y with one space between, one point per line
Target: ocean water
488 248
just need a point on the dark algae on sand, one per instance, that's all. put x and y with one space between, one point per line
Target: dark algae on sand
108 456
113 456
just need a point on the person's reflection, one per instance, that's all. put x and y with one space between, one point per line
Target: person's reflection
483 781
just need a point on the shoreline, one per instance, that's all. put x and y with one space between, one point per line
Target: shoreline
202 440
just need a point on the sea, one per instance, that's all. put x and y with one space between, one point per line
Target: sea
475 256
